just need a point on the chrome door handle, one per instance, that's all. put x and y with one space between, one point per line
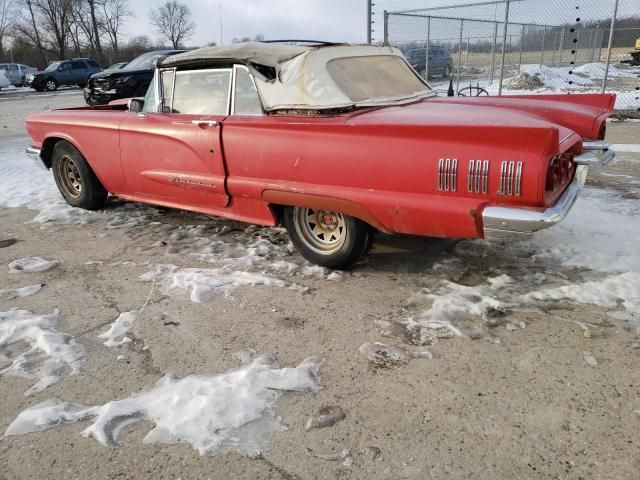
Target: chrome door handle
209 123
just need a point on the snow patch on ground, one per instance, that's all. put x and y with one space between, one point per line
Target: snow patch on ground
202 284
382 355
32 264
49 352
234 411
11 293
116 335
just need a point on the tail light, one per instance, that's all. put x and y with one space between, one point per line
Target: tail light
560 172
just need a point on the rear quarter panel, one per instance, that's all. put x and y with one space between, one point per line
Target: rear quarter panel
390 170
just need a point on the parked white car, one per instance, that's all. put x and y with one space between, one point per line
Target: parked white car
4 81
17 72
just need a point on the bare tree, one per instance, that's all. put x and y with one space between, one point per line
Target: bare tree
114 15
7 14
173 22
54 18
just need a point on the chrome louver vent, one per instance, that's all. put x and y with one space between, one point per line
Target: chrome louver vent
447 174
478 179
510 178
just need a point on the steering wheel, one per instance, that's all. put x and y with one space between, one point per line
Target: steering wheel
472 91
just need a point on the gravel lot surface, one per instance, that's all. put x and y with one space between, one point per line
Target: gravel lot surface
539 385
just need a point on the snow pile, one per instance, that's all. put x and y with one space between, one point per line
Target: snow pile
596 71
32 264
234 411
557 76
11 293
49 352
116 335
202 284
454 309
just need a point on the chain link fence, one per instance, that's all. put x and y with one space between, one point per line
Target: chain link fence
510 47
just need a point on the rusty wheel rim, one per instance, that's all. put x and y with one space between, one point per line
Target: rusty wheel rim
323 231
70 176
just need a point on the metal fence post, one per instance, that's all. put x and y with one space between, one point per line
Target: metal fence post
466 58
368 21
493 52
386 28
521 45
544 32
426 51
561 47
611 31
459 56
504 44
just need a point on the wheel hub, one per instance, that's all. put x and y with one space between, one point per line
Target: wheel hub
323 231
70 176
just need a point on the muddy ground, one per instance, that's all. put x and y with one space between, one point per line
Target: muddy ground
512 403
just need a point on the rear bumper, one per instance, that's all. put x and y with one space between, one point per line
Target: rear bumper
507 222
35 154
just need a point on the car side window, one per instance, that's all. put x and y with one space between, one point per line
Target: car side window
245 99
78 65
166 94
66 66
201 92
93 64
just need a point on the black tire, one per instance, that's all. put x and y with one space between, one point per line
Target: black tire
446 72
76 181
51 84
337 242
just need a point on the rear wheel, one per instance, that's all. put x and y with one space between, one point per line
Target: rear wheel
76 181
327 238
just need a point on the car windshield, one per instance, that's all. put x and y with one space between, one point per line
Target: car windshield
52 67
146 60
375 77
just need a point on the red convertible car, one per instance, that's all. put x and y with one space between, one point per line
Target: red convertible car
333 141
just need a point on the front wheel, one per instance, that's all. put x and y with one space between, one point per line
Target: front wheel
51 85
76 181
327 238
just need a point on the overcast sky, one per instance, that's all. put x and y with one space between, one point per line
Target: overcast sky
340 20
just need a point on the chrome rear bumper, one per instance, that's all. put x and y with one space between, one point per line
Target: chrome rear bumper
507 222
34 154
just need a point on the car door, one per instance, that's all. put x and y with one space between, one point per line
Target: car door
64 74
171 151
13 73
79 72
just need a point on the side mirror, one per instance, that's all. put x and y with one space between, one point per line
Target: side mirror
135 104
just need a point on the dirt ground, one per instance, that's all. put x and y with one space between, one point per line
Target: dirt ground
528 406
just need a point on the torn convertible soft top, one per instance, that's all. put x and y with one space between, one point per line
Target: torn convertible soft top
319 77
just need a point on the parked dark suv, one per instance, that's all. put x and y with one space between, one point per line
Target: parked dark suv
440 62
132 80
64 72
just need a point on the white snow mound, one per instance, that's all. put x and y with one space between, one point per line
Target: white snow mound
214 413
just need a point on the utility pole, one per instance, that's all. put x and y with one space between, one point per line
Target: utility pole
369 2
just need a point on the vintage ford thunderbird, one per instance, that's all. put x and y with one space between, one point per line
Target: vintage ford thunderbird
333 141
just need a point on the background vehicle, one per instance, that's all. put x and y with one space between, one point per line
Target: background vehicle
440 61
63 72
16 72
116 66
348 140
132 80
4 81
635 55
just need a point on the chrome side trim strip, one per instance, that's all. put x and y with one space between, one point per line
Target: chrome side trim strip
470 176
518 178
447 170
454 174
440 173
503 178
510 179
485 175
